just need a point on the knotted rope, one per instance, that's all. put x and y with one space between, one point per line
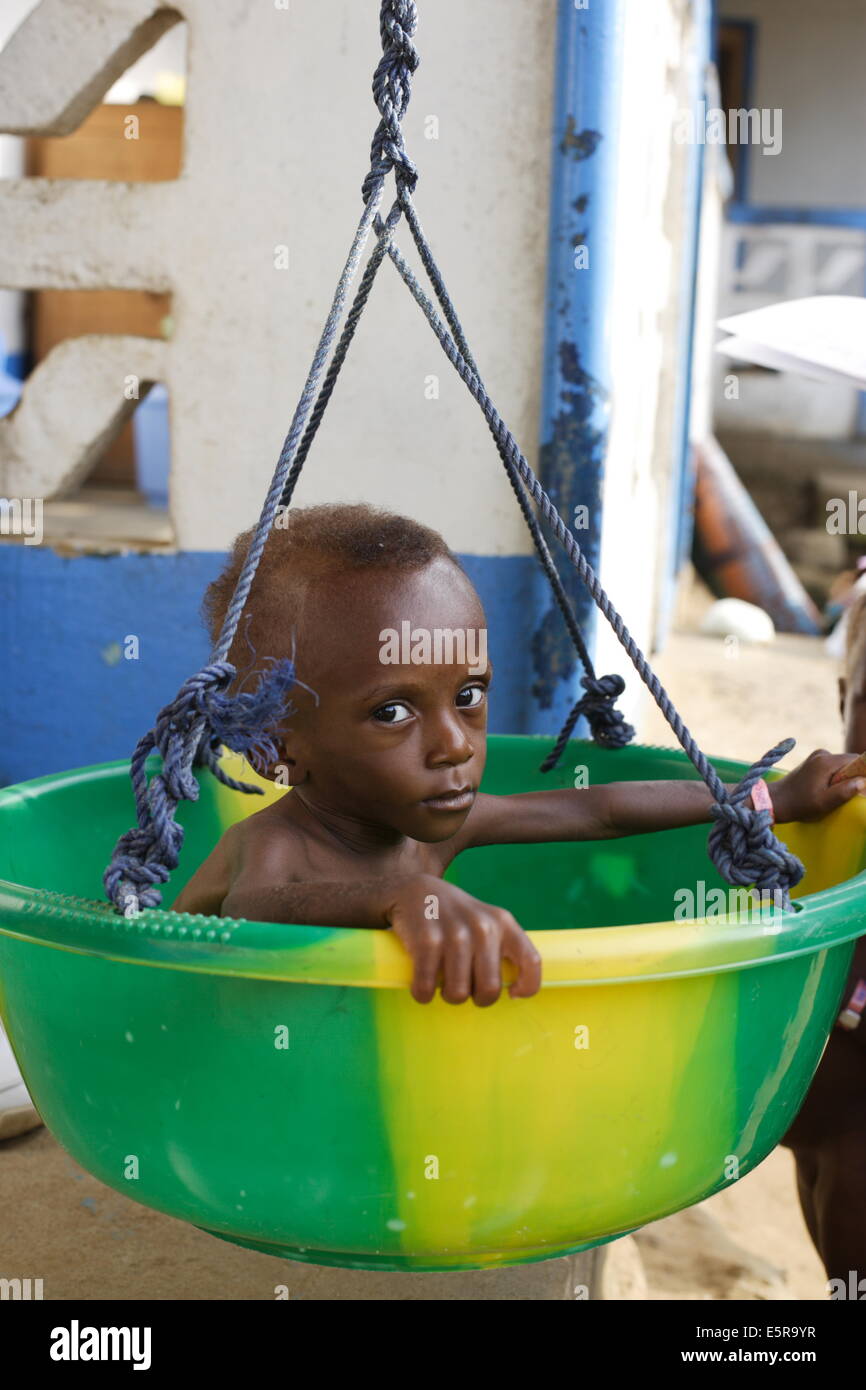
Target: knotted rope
742 844
190 730
391 92
607 724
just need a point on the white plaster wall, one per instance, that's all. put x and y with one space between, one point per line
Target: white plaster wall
12 325
12 12
278 125
652 222
486 73
718 183
810 62
279 121
167 55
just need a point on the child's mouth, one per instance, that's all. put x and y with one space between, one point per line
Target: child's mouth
451 801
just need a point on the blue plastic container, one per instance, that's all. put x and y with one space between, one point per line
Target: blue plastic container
152 446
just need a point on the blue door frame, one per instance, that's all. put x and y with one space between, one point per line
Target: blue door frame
576 387
577 384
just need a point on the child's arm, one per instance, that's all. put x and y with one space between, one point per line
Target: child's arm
614 809
455 941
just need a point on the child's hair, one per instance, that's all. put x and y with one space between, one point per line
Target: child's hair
309 543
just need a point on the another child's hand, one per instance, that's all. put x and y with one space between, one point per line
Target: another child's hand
806 794
460 942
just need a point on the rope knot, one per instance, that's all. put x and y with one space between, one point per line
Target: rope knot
392 88
607 724
742 844
190 731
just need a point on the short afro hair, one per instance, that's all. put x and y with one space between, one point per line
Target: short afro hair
306 543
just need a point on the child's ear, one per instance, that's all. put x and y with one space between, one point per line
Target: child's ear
293 770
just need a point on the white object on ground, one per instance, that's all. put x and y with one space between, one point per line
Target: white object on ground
17 1111
822 336
733 617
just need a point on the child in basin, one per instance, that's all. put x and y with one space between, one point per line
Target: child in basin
385 750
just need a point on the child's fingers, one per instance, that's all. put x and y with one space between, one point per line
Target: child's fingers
840 792
527 961
427 951
487 967
457 965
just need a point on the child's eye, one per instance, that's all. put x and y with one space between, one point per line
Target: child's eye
476 695
391 713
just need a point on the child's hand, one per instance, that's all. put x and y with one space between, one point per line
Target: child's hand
805 794
451 935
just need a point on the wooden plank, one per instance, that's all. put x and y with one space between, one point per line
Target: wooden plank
101 149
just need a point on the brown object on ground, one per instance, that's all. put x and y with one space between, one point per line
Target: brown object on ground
735 551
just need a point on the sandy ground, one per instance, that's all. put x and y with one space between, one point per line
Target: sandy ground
86 1241
739 704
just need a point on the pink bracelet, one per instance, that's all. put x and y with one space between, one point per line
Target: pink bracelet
761 799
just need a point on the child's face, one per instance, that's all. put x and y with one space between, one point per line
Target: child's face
389 736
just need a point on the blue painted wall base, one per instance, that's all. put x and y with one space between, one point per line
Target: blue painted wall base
70 697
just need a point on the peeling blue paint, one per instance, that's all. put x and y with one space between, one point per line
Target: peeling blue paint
578 144
571 467
576 386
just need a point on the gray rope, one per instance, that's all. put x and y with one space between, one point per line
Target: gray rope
742 844
339 357
607 725
202 718
398 20
185 732
733 835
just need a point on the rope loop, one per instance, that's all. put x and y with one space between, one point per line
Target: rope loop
742 844
392 88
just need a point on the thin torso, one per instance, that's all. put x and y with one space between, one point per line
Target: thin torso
296 854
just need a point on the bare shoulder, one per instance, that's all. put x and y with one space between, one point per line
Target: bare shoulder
267 845
261 846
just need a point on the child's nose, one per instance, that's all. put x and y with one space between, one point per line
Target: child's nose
447 740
